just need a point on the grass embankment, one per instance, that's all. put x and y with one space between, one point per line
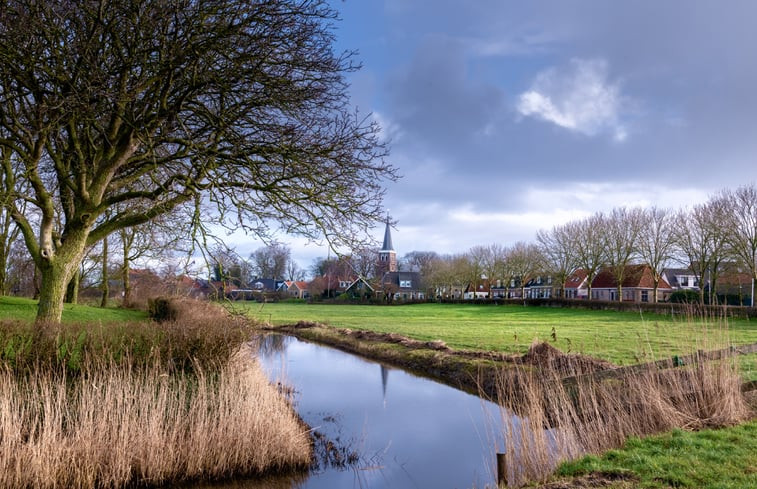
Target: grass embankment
19 308
622 338
139 404
709 459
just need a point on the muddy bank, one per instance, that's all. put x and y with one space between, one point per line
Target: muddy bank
473 371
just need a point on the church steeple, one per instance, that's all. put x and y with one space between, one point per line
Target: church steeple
387 256
388 246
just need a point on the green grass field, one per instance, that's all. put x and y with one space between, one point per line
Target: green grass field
17 308
620 337
708 459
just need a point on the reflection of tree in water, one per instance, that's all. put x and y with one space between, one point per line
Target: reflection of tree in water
272 344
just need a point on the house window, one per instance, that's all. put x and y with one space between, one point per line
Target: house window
644 296
343 284
405 284
684 281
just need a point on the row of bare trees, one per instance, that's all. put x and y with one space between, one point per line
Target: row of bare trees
711 238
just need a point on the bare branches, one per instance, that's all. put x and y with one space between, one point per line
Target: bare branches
149 105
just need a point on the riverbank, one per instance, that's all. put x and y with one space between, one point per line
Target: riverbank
473 371
141 404
592 417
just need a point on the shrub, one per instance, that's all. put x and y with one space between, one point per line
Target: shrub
685 296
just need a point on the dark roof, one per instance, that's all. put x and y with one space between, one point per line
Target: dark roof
265 284
388 246
396 277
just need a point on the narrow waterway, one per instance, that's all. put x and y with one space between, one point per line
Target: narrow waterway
383 428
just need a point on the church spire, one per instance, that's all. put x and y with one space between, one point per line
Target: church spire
388 246
387 257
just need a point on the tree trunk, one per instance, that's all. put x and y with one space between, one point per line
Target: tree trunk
72 291
3 266
620 293
52 291
105 286
125 275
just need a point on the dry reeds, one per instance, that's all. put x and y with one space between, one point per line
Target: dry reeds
115 426
547 419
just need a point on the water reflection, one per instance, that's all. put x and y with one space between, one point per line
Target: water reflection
411 433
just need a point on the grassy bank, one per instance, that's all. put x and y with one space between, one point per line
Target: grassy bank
708 459
622 338
20 308
140 404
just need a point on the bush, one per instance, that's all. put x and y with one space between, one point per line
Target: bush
162 309
684 296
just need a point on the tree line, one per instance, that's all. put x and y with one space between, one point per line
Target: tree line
712 238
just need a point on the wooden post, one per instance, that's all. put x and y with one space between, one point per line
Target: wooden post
501 470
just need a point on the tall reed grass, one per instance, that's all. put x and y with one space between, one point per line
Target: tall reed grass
117 426
139 405
546 420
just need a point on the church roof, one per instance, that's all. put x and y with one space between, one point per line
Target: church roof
388 246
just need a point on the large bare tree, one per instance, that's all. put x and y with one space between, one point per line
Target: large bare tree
700 239
740 212
271 260
525 261
591 254
656 242
241 104
558 250
620 234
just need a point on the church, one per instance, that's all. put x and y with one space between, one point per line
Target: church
393 283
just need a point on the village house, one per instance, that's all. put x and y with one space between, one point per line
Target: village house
577 285
480 289
637 285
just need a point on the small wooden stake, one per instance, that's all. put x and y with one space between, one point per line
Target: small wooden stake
501 470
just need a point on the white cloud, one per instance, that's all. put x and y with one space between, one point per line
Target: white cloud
580 98
389 130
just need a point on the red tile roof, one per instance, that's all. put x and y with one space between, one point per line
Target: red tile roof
576 279
636 276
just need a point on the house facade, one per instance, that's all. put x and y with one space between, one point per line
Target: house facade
637 285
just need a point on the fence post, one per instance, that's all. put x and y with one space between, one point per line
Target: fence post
501 470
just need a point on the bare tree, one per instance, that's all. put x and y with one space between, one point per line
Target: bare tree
271 261
589 246
656 242
700 238
740 213
558 250
525 261
620 234
294 272
363 260
155 104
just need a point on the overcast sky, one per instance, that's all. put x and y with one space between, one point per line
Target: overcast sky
509 117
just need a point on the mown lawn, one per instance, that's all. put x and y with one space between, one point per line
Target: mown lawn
26 309
620 337
724 458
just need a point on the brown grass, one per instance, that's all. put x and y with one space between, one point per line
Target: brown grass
140 404
546 420
119 426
